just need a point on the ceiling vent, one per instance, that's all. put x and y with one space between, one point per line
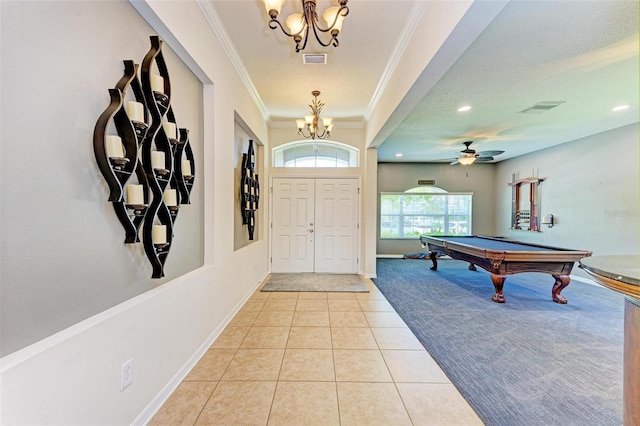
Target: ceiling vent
314 58
541 107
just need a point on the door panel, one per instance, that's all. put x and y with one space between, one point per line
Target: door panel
293 243
336 225
315 225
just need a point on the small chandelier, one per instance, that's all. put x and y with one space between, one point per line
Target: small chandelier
300 23
311 121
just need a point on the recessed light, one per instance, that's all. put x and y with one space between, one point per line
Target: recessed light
399 154
620 108
464 108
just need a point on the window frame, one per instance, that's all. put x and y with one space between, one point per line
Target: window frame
352 154
424 220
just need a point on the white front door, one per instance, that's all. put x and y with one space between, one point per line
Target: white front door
315 223
336 226
293 219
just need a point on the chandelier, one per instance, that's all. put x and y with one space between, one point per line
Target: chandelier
308 127
300 24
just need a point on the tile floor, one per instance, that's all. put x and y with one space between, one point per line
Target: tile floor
316 359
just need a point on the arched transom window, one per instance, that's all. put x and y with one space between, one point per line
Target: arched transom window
315 154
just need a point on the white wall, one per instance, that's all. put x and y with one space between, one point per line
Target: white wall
591 187
72 376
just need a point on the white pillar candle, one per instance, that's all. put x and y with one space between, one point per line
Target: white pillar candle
157 159
170 130
186 168
170 198
135 111
135 195
114 147
157 83
159 234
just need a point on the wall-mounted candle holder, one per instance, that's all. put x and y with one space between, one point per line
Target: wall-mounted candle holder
249 190
149 145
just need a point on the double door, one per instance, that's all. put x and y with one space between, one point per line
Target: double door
314 225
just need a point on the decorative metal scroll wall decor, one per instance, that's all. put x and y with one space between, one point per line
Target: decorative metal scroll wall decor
249 190
149 145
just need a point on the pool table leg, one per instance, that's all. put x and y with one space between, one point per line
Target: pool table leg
433 256
561 282
498 283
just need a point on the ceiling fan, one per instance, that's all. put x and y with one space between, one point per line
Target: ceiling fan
469 156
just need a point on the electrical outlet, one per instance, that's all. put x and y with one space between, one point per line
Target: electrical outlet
126 374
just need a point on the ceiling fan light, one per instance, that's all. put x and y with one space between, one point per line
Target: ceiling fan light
272 5
296 23
333 18
465 161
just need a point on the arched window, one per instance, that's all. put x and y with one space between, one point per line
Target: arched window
315 154
424 210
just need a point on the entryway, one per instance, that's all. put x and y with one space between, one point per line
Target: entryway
314 225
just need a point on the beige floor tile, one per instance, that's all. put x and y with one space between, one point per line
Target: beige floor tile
259 295
244 318
360 366
312 295
310 319
254 364
312 305
235 403
371 404
277 295
311 365
211 366
353 338
396 338
344 305
230 338
266 337
376 305
436 404
310 338
300 403
279 305
413 367
185 404
373 294
253 305
274 319
348 319
341 295
384 319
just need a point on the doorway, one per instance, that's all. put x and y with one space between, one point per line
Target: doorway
315 225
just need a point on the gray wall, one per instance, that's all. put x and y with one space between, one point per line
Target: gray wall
479 179
592 188
63 256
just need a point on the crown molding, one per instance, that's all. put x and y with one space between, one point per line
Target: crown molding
409 29
215 23
291 123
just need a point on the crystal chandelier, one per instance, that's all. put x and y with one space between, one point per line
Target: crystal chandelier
300 24
308 127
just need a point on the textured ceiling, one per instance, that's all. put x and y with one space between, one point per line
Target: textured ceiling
582 53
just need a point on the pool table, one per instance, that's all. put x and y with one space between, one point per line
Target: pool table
501 257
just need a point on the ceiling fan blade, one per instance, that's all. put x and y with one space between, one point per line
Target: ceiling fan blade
484 159
454 162
490 153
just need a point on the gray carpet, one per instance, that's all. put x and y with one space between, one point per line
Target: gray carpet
527 362
316 282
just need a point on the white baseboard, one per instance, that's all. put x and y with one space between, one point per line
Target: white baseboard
158 401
